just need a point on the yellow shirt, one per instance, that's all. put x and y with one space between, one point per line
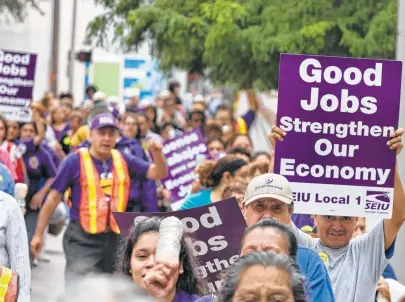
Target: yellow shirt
80 136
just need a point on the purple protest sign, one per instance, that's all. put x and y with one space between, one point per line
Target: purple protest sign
217 231
183 154
17 72
339 114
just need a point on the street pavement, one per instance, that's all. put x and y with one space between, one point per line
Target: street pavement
48 277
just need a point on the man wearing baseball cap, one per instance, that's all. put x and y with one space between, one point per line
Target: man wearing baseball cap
270 196
99 179
355 266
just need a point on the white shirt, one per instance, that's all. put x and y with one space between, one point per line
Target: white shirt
14 252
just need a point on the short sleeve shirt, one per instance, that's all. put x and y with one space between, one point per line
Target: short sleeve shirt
39 165
354 270
69 176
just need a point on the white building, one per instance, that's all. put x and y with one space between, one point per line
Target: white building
35 35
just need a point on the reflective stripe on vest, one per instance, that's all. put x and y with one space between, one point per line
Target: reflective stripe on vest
8 285
95 212
241 126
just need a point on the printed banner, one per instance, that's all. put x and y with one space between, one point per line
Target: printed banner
17 72
216 229
339 114
183 154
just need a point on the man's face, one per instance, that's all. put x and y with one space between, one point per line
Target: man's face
103 139
265 240
266 208
335 231
360 227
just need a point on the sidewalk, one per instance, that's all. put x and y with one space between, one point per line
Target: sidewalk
48 277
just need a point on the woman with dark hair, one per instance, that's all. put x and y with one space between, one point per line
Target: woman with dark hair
215 177
216 147
59 123
241 141
151 113
279 280
261 157
165 282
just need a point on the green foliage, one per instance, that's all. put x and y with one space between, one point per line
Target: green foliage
16 9
239 42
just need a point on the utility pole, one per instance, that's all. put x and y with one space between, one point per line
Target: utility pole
73 49
400 56
55 46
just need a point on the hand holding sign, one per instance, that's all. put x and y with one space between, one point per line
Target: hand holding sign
396 142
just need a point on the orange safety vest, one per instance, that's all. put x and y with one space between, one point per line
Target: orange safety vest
8 285
95 212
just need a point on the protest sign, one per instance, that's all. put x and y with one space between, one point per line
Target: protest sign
17 71
216 230
339 114
183 154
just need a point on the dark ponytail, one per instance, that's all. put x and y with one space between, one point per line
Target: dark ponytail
210 172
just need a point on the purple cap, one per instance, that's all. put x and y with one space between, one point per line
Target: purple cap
103 120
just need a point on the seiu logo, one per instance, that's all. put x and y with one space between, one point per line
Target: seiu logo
377 200
268 181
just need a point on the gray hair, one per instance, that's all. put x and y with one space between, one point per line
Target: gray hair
104 288
283 262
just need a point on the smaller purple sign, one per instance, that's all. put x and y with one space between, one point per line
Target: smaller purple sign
183 154
17 72
217 231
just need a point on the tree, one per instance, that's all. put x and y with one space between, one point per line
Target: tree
17 8
240 42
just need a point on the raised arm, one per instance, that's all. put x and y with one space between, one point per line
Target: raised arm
158 169
393 225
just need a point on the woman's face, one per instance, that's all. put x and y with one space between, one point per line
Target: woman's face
13 130
259 283
262 159
27 131
59 115
143 125
150 113
215 147
143 257
75 123
242 142
130 127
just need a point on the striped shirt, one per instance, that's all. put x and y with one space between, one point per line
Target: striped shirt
14 244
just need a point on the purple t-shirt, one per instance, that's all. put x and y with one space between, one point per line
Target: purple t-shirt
38 163
69 176
143 190
59 134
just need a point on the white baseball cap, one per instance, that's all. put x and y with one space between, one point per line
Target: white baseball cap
268 186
